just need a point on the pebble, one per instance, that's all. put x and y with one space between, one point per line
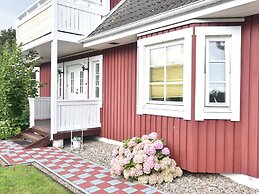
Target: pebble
207 183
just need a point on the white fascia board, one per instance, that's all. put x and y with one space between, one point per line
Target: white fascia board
159 21
193 21
68 37
37 42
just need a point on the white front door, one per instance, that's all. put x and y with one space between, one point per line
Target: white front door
76 82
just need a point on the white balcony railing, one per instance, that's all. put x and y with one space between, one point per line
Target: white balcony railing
39 109
78 17
78 114
71 114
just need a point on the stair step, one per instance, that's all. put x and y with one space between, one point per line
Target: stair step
32 136
40 130
45 141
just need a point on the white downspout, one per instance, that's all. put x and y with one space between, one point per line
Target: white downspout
54 69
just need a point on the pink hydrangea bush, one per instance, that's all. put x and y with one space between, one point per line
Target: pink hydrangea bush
145 159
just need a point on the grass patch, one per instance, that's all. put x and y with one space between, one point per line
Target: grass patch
27 180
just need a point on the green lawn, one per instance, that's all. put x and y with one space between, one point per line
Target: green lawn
27 180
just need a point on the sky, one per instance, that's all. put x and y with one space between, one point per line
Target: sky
10 9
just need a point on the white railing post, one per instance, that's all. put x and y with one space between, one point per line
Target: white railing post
32 111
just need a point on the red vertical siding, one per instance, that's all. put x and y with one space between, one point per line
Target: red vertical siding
208 146
113 3
45 80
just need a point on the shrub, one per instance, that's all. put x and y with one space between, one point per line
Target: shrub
144 159
7 130
17 83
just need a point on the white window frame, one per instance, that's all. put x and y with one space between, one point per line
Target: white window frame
182 110
60 75
231 109
227 60
92 61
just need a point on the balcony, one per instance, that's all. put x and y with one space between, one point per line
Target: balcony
70 19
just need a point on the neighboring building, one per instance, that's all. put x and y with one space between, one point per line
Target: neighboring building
186 69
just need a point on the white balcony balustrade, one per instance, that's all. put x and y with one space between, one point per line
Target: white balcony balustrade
77 115
71 114
77 17
39 109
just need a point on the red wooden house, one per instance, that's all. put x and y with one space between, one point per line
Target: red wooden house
187 69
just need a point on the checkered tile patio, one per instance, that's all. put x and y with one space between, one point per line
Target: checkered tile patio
84 175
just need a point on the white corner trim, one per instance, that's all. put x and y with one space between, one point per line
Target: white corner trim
246 180
109 141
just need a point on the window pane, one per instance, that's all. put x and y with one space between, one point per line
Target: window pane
217 72
72 82
174 92
60 85
217 50
156 74
157 92
97 92
156 57
174 73
174 54
217 93
97 68
97 80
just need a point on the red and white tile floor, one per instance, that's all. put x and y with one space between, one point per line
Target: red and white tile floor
86 176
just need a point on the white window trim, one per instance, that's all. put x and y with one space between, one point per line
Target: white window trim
143 107
233 111
92 77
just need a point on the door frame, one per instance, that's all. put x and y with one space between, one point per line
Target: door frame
89 63
82 62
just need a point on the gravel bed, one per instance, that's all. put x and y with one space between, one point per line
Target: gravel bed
100 153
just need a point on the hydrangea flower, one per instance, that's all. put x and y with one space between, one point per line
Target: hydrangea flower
149 149
144 159
165 151
153 135
158 144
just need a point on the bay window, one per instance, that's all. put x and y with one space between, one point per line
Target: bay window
164 74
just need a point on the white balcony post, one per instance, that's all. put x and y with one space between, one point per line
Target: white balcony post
54 68
32 111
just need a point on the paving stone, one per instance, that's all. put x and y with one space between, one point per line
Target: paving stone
88 176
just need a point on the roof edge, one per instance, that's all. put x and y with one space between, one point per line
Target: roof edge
162 17
150 19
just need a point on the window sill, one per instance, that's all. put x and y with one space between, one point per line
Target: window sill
162 110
